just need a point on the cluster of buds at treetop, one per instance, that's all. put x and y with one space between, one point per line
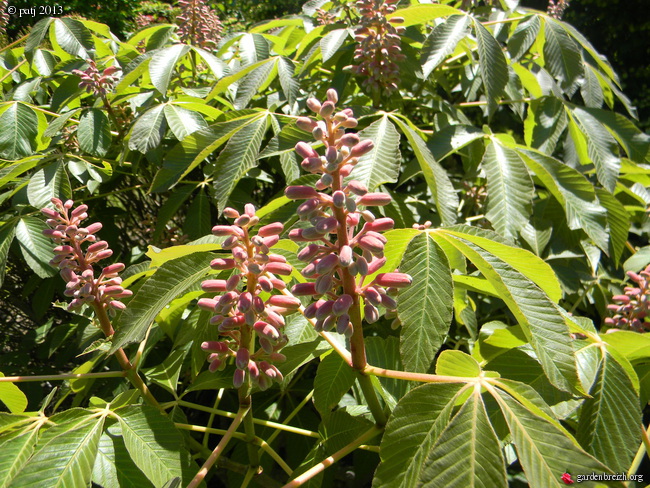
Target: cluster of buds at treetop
323 17
634 306
95 81
556 8
244 320
378 45
198 24
76 265
344 261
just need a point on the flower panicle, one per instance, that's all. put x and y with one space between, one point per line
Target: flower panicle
633 307
240 311
76 265
333 211
95 81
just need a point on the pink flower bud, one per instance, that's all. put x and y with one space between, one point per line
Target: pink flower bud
98 246
343 325
249 209
309 252
388 302
304 289
230 213
266 330
238 378
349 140
242 357
113 290
375 265
327 264
94 228
221 263
265 284
362 266
214 346
300 192
308 207
232 282
270 241
253 369
229 243
374 199
284 301
48 212
81 209
314 105
305 123
324 310
207 304
214 286
371 244
380 225
215 363
115 305
395 280
106 253
270 230
338 199
362 148
371 313
278 268
342 304
312 309
223 230
304 150
242 220
345 256
327 225
332 96
327 109
621 298
323 284
278 284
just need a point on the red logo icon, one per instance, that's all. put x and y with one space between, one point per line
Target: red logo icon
566 477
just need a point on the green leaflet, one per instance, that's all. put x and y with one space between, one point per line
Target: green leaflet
18 131
381 165
153 443
510 189
425 307
493 66
333 379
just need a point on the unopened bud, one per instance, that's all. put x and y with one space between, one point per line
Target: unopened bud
332 96
327 109
375 199
314 105
362 148
305 123
300 192
395 280
304 150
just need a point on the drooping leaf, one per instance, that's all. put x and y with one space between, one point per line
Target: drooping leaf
510 189
414 426
425 307
334 378
153 443
239 156
442 41
148 130
610 419
65 460
73 37
492 64
435 175
94 132
573 191
561 54
601 146
182 121
51 181
35 247
467 453
161 67
523 37
18 131
381 165
545 123
170 280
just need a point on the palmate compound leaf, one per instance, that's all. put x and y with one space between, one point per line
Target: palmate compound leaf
610 420
412 430
544 451
467 453
153 443
534 311
425 307
65 460
510 190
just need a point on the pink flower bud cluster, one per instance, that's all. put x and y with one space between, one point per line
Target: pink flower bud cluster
323 17
633 307
333 244
556 8
240 311
378 48
76 265
198 24
94 81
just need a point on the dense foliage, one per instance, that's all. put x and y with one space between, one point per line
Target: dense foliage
428 265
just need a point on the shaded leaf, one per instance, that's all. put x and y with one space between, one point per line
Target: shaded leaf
35 247
561 54
493 65
51 181
334 378
523 37
94 132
